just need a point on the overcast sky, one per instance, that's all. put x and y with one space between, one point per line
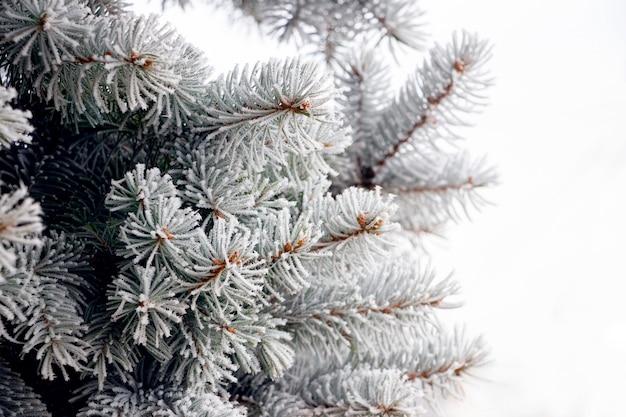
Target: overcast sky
543 268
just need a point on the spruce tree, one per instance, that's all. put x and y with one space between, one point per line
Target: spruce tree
179 243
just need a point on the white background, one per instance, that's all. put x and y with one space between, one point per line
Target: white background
543 269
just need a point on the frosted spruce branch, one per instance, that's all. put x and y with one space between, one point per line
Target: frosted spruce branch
343 391
445 193
366 83
16 398
273 107
357 317
434 101
14 123
95 68
407 145
332 26
46 299
356 218
20 222
134 397
419 371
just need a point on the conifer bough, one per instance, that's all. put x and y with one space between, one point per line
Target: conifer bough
178 244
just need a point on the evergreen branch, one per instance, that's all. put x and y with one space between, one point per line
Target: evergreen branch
452 185
239 333
456 359
276 355
268 195
109 346
107 7
432 103
366 80
36 35
14 125
333 25
20 222
207 186
92 65
354 218
146 299
55 331
45 305
364 392
397 21
202 359
162 228
138 60
16 293
339 391
287 249
279 403
303 174
267 90
62 259
16 398
269 109
130 397
139 188
399 296
225 267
